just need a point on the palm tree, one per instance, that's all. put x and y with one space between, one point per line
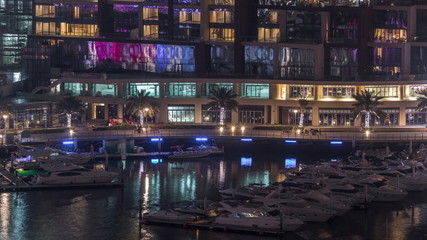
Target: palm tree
422 98
367 103
303 103
6 109
140 104
223 99
68 106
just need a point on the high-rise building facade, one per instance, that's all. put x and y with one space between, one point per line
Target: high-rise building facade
270 52
15 25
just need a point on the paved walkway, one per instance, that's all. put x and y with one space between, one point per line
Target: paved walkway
269 134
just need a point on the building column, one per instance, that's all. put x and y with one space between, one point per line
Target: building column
402 116
234 117
120 113
199 87
197 113
121 90
267 114
274 114
163 113
106 111
315 115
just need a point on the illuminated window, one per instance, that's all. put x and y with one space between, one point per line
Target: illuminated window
222 34
151 31
415 116
71 29
343 62
414 90
135 88
251 114
221 2
390 35
386 60
254 90
189 16
181 114
268 34
105 90
182 90
76 12
211 86
384 91
45 28
221 16
45 11
150 13
301 91
336 117
75 89
296 63
338 92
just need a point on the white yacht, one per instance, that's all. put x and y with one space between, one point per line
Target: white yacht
75 175
251 218
168 215
242 193
181 154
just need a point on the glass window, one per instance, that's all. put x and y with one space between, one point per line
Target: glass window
259 61
301 91
294 116
222 59
391 118
344 27
343 62
302 26
125 17
213 115
221 2
45 11
212 86
75 89
182 90
338 92
296 63
251 114
254 90
419 60
106 90
221 16
181 114
335 117
414 116
222 34
386 60
384 91
135 88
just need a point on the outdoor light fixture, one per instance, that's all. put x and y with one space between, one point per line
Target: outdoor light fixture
67 142
367 132
243 129
233 128
156 139
221 129
290 141
246 139
336 142
298 131
71 132
144 129
201 139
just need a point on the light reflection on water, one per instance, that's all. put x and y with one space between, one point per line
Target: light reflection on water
113 213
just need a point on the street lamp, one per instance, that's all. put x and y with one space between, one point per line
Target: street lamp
5 128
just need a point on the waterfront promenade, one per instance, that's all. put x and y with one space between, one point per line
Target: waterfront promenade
414 134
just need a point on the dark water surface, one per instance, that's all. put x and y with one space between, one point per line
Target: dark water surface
113 213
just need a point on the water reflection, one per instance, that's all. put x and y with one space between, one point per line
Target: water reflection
113 213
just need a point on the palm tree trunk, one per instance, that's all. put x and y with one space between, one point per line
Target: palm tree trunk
68 120
367 119
221 116
141 117
301 120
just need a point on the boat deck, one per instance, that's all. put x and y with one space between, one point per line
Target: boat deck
208 225
24 188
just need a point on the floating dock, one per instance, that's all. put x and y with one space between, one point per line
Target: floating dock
26 188
205 224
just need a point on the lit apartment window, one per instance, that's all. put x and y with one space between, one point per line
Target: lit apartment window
150 13
222 34
151 31
386 60
268 34
106 90
390 35
384 91
189 16
251 114
414 90
45 11
220 16
45 28
76 12
391 117
267 16
71 29
414 116
222 2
